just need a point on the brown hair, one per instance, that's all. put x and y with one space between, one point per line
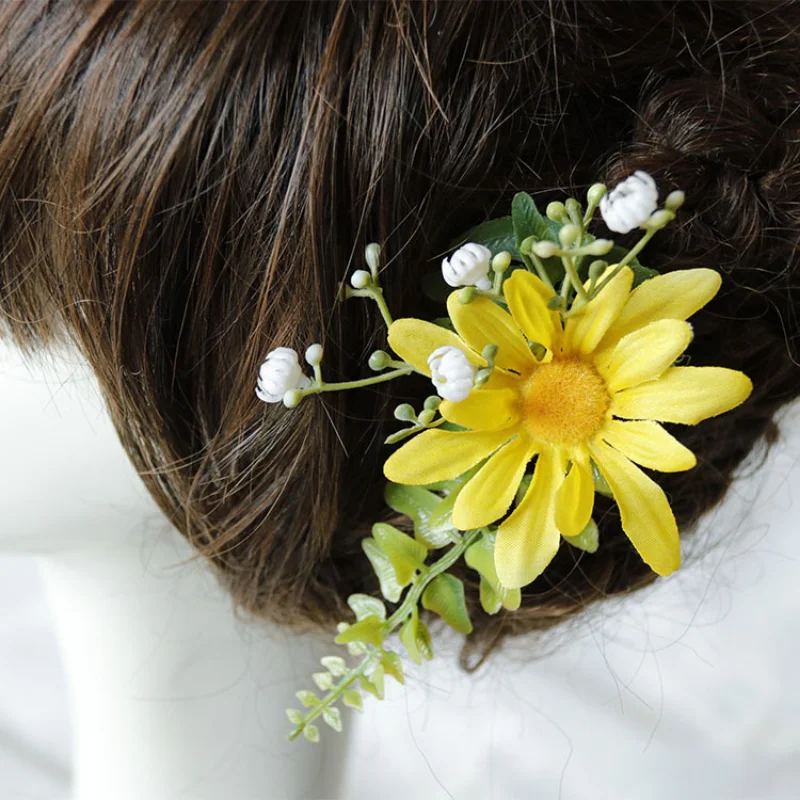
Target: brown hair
185 186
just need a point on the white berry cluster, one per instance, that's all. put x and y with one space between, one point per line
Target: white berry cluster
630 203
452 373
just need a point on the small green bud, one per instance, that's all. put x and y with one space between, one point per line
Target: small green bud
596 269
466 295
426 416
545 249
502 261
292 398
674 200
360 279
379 360
527 245
555 303
489 352
314 355
433 402
556 211
372 256
569 234
574 208
596 193
599 247
405 413
658 219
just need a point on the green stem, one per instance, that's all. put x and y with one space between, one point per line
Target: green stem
632 253
410 601
377 296
341 387
569 268
421 581
375 293
540 270
638 247
334 695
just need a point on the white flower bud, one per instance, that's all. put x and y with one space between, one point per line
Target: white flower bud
452 373
630 203
468 266
280 373
360 279
314 355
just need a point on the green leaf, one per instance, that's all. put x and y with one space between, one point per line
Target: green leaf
352 699
393 666
390 588
335 665
333 717
324 680
406 554
600 483
444 595
444 322
365 606
374 683
640 272
424 642
496 234
311 732
295 716
369 631
527 221
490 602
420 505
308 699
435 288
588 539
416 637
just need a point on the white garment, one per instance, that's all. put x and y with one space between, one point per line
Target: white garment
687 689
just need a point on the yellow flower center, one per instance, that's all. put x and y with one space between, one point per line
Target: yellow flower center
564 402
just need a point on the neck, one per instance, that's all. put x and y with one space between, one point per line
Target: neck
172 697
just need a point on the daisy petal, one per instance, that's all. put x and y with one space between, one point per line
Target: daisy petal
489 494
527 298
483 410
684 394
527 541
647 518
676 295
575 497
649 445
414 340
433 456
644 354
586 329
483 322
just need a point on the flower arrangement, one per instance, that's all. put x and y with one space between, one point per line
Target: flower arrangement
552 372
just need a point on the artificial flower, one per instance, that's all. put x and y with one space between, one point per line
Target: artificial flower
468 266
630 203
600 390
280 373
452 373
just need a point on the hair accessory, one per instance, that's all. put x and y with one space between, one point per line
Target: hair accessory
552 372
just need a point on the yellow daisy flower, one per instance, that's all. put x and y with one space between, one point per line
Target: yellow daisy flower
599 393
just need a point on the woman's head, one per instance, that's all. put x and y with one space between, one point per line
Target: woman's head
184 187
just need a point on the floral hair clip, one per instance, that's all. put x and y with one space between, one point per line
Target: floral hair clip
552 372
